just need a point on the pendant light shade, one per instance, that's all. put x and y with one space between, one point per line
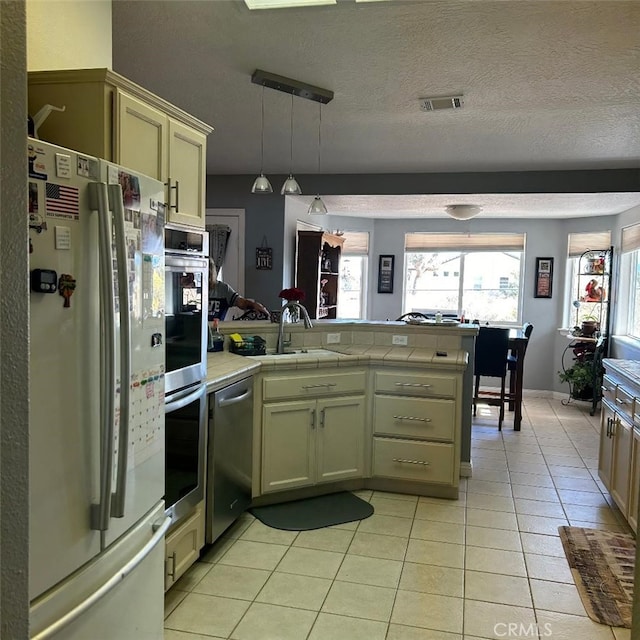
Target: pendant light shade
291 186
261 184
317 207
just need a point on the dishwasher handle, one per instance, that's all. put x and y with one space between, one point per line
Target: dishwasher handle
225 402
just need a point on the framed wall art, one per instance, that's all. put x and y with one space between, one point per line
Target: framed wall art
385 274
544 278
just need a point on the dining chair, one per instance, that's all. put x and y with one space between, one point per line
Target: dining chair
492 347
512 364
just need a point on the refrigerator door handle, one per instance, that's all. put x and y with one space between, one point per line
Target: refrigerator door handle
117 206
159 530
99 201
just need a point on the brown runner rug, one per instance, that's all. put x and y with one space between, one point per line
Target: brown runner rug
602 565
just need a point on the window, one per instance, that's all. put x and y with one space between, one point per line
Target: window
353 275
484 272
578 243
631 256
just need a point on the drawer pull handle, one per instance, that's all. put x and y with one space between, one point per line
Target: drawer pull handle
413 384
317 386
412 418
422 462
172 558
621 401
606 389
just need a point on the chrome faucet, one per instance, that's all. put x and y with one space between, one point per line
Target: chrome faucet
292 304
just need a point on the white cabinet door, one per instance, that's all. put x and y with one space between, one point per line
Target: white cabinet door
621 465
141 134
340 436
187 162
288 445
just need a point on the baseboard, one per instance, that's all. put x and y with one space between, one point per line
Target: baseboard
466 469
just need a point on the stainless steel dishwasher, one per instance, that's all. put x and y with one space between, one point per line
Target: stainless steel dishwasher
229 456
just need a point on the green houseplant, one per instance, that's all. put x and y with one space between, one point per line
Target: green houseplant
581 377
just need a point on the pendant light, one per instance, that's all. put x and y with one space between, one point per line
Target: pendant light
317 207
261 183
291 186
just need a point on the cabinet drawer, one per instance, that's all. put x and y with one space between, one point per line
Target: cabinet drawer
416 384
428 418
625 403
609 388
312 386
182 546
412 460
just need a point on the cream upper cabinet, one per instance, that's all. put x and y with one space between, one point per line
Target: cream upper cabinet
186 175
142 137
110 117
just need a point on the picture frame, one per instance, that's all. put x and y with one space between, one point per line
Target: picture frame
544 278
385 273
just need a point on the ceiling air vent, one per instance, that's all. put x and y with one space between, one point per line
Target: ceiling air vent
437 104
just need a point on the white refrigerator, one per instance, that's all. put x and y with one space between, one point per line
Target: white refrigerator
96 425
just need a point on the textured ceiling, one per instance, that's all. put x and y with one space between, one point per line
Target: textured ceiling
546 85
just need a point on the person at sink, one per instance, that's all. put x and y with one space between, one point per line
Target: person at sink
222 297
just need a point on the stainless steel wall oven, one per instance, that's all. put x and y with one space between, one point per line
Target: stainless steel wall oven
186 294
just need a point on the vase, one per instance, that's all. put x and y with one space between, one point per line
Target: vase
291 315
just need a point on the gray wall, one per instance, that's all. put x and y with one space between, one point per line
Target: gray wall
14 326
266 214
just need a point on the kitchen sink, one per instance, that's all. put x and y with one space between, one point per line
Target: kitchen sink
298 353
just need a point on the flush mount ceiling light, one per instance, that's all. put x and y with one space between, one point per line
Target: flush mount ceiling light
261 184
285 4
291 186
463 211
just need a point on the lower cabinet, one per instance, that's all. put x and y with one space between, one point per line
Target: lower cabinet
182 545
416 423
619 454
306 442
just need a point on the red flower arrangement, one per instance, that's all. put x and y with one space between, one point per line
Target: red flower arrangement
292 293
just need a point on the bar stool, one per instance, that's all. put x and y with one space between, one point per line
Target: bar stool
512 364
492 347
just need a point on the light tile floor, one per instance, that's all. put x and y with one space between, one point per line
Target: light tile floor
422 568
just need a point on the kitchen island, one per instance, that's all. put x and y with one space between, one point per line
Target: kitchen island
392 373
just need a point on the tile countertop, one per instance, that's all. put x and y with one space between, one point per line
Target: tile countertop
225 368
628 368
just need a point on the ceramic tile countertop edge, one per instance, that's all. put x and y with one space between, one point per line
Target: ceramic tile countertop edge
629 368
224 368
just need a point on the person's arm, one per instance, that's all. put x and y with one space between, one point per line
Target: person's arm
247 303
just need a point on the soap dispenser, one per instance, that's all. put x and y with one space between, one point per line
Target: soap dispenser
216 339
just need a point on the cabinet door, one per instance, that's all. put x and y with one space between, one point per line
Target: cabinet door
288 445
634 484
340 436
182 546
141 137
621 464
187 160
605 454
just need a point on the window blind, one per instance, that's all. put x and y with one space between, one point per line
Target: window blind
464 242
581 242
631 238
356 243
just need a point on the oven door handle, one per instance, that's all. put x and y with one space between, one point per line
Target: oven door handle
225 402
183 399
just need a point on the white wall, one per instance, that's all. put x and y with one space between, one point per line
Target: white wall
68 34
14 327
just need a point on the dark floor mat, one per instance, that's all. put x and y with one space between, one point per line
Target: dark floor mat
314 513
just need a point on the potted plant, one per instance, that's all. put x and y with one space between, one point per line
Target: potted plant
589 325
581 377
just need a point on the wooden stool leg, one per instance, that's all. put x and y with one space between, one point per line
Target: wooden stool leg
512 390
502 401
